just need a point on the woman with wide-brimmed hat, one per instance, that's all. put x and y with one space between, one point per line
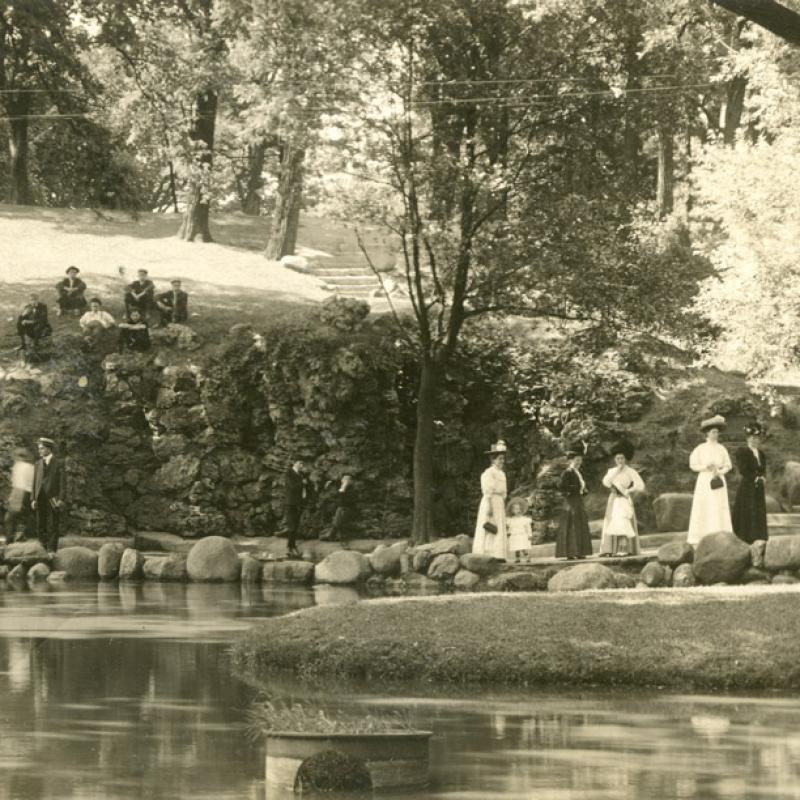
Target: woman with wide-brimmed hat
620 532
490 529
750 506
710 460
573 539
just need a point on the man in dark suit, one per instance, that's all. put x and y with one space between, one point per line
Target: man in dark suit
296 494
139 294
49 494
32 323
173 305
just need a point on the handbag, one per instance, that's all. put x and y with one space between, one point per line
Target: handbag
716 482
490 527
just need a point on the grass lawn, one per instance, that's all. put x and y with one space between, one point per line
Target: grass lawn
713 638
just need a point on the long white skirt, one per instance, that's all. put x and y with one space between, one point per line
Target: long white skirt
492 544
711 512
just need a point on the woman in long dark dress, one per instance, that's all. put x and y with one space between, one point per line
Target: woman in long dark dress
573 539
750 506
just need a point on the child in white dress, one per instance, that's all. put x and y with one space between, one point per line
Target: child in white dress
519 528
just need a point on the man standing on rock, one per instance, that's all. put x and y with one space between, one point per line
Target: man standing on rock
296 491
49 494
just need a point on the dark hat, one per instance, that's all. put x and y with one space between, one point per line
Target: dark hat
573 449
623 447
717 422
69 269
754 429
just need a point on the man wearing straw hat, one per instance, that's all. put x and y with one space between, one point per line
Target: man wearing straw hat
49 494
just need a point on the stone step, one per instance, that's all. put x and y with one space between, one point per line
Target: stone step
351 280
624 563
344 270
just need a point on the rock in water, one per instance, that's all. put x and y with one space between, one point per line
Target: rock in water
653 575
28 551
720 557
109 559
683 576
444 566
131 565
77 563
519 581
38 572
466 580
782 553
673 554
251 570
582 576
480 563
342 567
287 572
213 559
386 560
624 581
18 573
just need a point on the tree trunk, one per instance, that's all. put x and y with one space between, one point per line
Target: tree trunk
251 202
19 187
423 453
731 111
196 215
666 171
286 216
775 17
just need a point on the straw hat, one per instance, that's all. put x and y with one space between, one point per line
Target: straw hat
498 448
520 501
717 422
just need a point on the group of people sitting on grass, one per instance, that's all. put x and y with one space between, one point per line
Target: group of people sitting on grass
504 530
133 334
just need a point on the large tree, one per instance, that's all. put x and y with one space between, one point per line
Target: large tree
491 177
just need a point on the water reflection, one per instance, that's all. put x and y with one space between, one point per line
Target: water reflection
124 691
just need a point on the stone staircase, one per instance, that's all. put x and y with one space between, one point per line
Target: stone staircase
346 274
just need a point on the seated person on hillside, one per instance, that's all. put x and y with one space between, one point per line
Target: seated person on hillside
95 322
71 293
32 324
173 305
139 294
133 333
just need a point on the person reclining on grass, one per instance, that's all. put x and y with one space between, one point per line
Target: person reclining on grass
71 293
95 322
32 323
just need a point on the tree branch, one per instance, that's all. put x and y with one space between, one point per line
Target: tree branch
772 16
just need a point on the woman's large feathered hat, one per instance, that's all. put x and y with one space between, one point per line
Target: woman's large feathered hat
498 448
717 421
623 447
754 429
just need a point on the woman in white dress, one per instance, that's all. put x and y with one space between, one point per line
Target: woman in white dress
710 460
490 529
620 532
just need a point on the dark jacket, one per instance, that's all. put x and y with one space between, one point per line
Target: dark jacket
147 286
347 498
296 489
77 284
32 320
570 484
177 303
50 482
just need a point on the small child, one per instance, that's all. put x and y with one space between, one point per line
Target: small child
518 527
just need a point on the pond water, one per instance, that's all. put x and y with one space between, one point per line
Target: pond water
125 692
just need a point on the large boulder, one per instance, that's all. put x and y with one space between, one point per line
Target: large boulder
131 565
758 550
109 559
250 569
720 558
38 572
77 563
683 576
674 554
582 576
623 580
781 577
782 553
465 580
420 560
519 581
386 560
25 552
342 567
653 574
790 484
166 568
287 572
213 558
458 545
672 511
480 563
444 566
